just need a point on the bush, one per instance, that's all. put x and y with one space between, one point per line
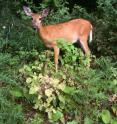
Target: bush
67 95
10 111
105 28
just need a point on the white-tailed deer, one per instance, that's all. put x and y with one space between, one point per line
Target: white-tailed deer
72 31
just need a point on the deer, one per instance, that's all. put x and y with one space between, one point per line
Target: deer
75 30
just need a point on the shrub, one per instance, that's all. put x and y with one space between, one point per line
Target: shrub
67 95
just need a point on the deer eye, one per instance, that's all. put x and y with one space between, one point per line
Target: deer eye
40 18
31 18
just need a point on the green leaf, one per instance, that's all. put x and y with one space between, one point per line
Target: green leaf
88 121
114 122
16 92
61 98
72 122
74 58
106 117
56 2
33 90
56 116
69 90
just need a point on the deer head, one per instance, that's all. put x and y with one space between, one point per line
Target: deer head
36 18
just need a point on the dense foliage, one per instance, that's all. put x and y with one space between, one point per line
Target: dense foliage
83 91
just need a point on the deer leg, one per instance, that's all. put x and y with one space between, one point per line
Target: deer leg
56 55
84 44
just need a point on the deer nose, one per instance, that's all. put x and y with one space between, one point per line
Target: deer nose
33 23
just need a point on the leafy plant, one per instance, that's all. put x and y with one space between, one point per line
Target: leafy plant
107 118
10 112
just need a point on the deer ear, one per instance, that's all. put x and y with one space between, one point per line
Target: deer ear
45 12
27 11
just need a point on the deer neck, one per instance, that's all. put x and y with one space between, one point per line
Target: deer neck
41 31
40 27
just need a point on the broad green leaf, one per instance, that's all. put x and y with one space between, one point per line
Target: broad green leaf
56 116
114 122
106 117
72 122
74 58
16 92
115 82
69 90
33 89
28 68
88 121
56 2
61 98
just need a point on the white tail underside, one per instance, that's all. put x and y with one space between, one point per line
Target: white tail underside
90 36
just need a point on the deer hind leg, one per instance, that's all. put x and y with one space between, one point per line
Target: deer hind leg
56 55
84 44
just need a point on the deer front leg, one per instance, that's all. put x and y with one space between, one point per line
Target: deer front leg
56 55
